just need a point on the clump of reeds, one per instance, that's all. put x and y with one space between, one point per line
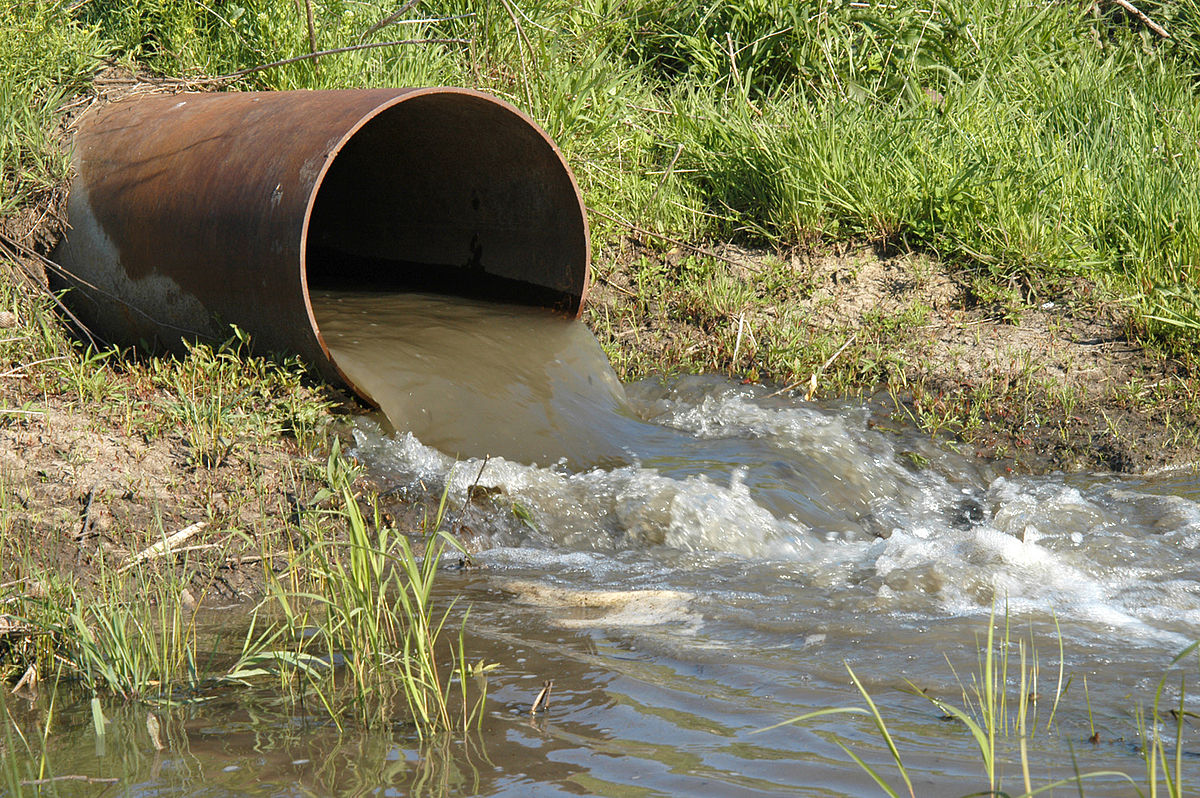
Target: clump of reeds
365 627
353 619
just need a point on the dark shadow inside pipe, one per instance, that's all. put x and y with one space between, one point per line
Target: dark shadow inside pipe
450 193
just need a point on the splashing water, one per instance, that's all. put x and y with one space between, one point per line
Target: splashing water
701 471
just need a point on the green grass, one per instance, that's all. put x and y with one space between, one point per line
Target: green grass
45 55
369 601
352 613
1029 144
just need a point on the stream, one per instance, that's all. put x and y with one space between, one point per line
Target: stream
691 561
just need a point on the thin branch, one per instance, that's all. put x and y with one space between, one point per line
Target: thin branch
19 371
666 176
421 21
1141 16
521 40
312 33
812 380
66 274
9 246
388 20
163 547
54 779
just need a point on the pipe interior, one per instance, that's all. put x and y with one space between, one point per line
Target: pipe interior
451 193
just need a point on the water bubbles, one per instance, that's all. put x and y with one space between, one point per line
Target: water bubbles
814 494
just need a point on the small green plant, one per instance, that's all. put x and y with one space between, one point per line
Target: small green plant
136 649
358 626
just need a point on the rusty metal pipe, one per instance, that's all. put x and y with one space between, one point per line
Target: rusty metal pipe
191 212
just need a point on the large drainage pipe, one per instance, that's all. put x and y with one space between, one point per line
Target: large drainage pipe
191 212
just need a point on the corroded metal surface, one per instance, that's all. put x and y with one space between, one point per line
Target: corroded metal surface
192 212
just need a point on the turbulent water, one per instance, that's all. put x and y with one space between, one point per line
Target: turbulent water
693 561
701 471
744 544
475 378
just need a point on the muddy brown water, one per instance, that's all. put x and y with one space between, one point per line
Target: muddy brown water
699 560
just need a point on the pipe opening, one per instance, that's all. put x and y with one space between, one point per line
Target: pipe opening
451 192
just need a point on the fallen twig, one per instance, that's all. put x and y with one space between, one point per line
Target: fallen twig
388 20
87 516
19 371
12 245
312 33
165 546
543 698
241 73
666 176
1141 17
616 287
53 779
812 380
737 346
28 681
698 250
69 275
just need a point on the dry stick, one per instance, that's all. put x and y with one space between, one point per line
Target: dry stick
733 63
420 21
53 779
241 73
248 560
666 176
521 39
19 371
737 346
388 20
312 35
616 287
164 546
197 547
8 245
698 250
741 86
87 516
66 273
28 681
813 379
1145 20
543 698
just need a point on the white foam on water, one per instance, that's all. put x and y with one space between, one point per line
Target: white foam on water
870 531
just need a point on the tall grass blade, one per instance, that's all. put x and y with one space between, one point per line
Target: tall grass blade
883 730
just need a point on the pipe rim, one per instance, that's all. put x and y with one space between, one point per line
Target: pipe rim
353 130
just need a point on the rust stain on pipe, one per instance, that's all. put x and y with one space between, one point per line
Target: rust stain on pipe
192 212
